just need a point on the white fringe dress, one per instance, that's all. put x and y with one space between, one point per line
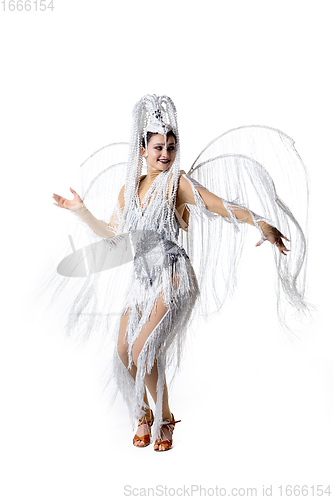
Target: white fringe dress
161 268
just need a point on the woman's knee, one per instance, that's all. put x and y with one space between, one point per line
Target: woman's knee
135 354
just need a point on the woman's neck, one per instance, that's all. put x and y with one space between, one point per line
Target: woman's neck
151 175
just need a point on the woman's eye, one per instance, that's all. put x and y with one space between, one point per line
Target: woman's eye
170 148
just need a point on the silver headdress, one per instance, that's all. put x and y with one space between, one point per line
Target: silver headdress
155 114
157 122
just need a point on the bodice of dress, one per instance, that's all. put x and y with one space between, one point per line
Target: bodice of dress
156 216
154 236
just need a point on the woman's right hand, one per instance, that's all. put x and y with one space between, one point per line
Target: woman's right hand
64 203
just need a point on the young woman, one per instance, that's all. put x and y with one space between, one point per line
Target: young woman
163 289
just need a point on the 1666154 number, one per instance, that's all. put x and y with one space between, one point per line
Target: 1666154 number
27 5
293 491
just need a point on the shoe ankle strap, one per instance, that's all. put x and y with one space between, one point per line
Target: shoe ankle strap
171 422
146 420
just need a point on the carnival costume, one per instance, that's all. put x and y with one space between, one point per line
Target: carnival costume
160 260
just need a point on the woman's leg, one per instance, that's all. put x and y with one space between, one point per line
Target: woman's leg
123 354
151 382
151 379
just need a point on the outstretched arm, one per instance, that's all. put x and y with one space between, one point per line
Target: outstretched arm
100 227
215 204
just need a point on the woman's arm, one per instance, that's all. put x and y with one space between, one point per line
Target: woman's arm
215 204
102 228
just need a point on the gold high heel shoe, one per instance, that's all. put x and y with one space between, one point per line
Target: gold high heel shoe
145 437
167 443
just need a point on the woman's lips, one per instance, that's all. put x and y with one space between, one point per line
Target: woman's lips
164 161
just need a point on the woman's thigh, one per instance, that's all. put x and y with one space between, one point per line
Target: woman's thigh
158 312
122 337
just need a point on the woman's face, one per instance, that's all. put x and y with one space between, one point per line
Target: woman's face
160 157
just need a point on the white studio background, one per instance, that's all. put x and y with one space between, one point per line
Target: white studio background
256 411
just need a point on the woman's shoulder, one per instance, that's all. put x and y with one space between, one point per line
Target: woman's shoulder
182 178
187 182
184 183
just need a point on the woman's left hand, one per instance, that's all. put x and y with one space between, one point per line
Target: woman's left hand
274 236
